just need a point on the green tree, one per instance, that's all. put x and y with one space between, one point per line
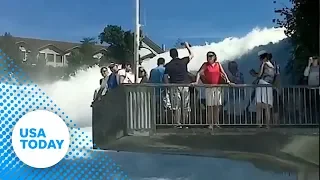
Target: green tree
9 47
301 23
87 49
83 57
120 43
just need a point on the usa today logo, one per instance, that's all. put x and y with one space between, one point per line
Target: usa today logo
40 139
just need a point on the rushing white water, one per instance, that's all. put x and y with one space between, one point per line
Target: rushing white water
228 49
75 95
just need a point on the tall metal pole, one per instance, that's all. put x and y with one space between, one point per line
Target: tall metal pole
137 41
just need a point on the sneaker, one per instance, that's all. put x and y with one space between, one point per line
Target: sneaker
179 126
218 126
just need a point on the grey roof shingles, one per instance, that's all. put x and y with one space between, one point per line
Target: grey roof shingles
33 43
152 45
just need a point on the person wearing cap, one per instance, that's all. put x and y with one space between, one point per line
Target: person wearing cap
176 72
264 95
211 72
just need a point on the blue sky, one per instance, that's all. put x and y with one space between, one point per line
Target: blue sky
166 20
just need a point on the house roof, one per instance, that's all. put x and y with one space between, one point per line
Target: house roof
32 44
152 45
151 55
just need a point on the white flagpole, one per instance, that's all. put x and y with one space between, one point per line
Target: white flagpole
137 41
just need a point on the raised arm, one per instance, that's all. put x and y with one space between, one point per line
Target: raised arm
307 69
191 55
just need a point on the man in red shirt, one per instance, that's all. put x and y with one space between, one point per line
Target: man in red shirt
211 72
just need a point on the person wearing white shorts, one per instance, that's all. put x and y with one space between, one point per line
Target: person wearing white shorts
264 95
213 96
211 73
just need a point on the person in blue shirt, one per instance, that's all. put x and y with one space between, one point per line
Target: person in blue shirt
156 74
113 79
162 97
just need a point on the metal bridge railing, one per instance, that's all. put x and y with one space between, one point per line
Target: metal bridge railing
150 106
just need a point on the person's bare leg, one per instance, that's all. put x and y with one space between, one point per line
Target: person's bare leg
259 113
268 115
216 116
276 119
177 117
210 116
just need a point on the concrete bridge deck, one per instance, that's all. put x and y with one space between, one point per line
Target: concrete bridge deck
293 144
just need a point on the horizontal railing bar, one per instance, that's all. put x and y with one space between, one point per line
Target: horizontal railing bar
220 85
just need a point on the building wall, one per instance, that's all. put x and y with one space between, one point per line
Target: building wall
144 51
49 52
24 53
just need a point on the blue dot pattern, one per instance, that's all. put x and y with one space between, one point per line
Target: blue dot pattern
18 96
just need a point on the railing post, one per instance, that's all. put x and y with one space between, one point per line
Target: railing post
140 116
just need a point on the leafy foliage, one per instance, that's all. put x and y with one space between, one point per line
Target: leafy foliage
120 43
83 56
301 23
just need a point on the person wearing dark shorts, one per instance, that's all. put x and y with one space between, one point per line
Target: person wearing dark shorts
176 72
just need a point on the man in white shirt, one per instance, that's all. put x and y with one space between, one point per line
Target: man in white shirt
125 73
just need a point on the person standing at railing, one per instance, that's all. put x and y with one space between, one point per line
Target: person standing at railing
234 102
312 71
162 96
211 73
176 72
125 74
235 75
312 95
264 95
277 96
157 73
95 94
143 76
113 79
103 84
157 77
